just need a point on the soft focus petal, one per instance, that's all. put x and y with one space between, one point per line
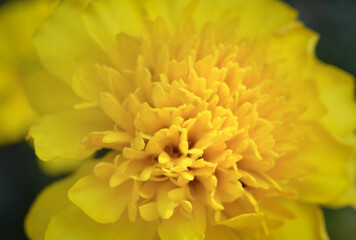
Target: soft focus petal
179 227
52 200
106 19
59 49
348 197
18 22
221 233
337 92
47 94
59 166
326 164
16 114
74 224
60 135
308 224
170 11
98 200
273 14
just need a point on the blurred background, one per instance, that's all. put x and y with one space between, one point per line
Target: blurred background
335 21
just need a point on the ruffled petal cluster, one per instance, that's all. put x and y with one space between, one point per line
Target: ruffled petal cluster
217 121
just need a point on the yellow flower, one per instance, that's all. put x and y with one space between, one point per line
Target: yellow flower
220 121
18 22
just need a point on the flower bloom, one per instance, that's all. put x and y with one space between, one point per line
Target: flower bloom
18 22
219 120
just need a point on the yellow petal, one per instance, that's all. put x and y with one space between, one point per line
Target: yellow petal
15 42
104 170
49 95
221 233
337 90
63 43
98 200
307 225
348 197
115 81
294 48
326 165
86 83
244 221
113 108
74 224
17 60
59 166
105 20
16 114
179 227
273 14
60 135
168 10
51 200
117 137
165 205
125 55
149 211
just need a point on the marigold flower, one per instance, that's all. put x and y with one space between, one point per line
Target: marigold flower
220 121
18 22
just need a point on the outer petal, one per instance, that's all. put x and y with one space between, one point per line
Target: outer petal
273 14
59 166
227 233
179 227
60 135
326 166
106 19
74 224
170 11
52 200
294 49
98 200
47 94
244 221
15 113
221 233
348 197
337 92
18 22
308 224
63 43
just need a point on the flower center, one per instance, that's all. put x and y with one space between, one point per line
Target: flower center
202 120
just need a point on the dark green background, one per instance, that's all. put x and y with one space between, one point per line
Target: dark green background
335 20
